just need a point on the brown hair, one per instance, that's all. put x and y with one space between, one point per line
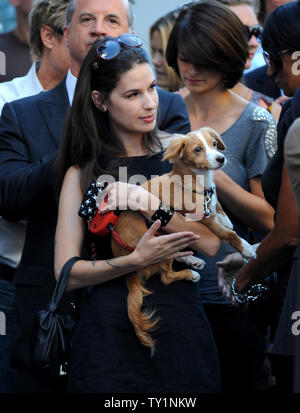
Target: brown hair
209 35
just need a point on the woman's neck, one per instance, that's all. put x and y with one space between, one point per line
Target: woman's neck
242 90
135 152
217 109
132 144
207 103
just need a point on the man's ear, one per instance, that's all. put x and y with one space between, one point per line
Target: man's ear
66 35
98 100
48 36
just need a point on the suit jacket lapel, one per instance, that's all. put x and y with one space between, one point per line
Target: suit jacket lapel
54 106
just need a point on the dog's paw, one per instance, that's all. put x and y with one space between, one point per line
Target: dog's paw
195 276
195 262
198 264
192 261
248 251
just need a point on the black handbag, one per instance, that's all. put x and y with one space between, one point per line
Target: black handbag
53 330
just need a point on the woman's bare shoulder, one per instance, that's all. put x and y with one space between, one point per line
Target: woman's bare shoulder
73 172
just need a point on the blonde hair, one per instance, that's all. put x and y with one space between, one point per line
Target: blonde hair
50 13
164 26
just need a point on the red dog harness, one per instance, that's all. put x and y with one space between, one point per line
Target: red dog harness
104 224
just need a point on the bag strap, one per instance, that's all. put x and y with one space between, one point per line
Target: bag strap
61 283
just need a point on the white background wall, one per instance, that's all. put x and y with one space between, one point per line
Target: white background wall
148 11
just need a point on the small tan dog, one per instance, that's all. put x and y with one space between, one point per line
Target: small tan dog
195 156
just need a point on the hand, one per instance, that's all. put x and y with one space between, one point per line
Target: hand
246 275
125 196
152 249
282 99
227 269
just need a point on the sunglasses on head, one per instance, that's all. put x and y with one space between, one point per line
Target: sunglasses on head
110 49
253 31
273 61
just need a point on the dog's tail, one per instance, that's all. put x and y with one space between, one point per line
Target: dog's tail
142 322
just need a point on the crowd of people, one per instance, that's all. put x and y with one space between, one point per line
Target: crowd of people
95 103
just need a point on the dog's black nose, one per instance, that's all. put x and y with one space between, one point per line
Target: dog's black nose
220 159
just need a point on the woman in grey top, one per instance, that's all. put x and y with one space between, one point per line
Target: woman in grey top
208 49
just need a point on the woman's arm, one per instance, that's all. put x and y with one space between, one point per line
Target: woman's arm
70 233
207 244
278 246
251 208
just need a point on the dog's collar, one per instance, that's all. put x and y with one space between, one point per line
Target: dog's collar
207 192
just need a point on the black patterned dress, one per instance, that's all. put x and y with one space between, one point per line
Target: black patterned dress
106 354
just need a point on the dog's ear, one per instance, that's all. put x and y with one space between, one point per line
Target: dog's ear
220 144
175 149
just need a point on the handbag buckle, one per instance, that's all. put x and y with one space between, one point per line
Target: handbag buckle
63 369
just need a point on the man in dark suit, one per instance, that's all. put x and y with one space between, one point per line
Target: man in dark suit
30 134
259 81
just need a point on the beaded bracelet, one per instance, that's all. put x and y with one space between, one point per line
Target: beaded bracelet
252 294
164 214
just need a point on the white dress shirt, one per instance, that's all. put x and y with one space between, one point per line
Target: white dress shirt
70 85
20 87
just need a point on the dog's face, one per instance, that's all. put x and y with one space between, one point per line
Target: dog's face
198 150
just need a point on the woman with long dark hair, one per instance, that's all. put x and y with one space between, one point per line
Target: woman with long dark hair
112 125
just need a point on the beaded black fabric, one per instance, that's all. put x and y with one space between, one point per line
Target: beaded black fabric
164 214
88 206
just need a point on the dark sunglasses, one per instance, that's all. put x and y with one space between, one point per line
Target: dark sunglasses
253 31
110 49
273 61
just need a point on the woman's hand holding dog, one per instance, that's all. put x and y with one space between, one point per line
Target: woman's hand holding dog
134 197
151 249
128 197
